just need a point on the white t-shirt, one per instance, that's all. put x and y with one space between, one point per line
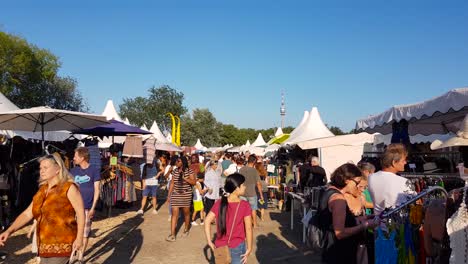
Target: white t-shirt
196 193
388 190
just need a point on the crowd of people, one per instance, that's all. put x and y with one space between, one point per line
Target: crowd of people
224 190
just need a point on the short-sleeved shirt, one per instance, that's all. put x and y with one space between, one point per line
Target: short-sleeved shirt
238 233
85 178
251 180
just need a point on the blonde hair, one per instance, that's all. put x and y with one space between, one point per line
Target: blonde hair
64 175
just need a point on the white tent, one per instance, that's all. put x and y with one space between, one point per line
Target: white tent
126 121
247 144
259 141
199 146
160 138
312 128
279 132
299 127
337 150
439 115
110 112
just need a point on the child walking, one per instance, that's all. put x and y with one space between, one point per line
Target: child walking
234 221
198 193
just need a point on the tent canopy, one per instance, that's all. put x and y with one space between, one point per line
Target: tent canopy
278 139
345 140
259 141
312 128
110 112
299 127
279 132
114 128
439 115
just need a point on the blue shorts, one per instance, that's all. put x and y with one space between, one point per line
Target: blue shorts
150 190
252 201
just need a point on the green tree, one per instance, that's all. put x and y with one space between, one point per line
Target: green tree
28 76
203 125
160 101
337 131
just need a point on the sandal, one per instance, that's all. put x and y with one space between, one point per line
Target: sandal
185 233
171 238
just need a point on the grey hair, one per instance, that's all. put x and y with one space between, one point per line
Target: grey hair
314 159
366 166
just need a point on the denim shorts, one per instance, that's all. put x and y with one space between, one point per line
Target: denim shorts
150 190
237 252
252 201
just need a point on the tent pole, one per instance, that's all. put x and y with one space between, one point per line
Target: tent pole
42 132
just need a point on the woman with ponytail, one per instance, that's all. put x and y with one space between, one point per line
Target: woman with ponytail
233 221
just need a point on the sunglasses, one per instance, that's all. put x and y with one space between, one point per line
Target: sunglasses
356 182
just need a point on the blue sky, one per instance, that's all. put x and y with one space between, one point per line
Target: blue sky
235 57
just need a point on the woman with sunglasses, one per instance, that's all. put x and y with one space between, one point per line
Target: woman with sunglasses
180 195
341 222
58 208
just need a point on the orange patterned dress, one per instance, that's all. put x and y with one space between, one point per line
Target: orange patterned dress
56 224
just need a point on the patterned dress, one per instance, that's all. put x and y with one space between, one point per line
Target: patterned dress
182 191
56 224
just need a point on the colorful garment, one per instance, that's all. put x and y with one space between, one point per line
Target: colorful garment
385 250
56 224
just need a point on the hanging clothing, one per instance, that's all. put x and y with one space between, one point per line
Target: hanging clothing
149 150
133 147
94 156
457 229
385 250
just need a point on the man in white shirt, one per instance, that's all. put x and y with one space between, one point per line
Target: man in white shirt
386 188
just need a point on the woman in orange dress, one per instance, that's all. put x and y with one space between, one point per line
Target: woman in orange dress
58 209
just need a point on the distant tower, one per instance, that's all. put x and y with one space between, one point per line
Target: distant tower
282 110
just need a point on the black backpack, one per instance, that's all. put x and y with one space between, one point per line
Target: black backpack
320 235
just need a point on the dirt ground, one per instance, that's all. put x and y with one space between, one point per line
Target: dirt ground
128 238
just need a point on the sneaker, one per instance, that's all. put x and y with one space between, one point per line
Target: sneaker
194 223
139 212
202 223
155 212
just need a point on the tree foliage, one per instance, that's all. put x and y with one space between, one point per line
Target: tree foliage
201 124
337 131
28 76
160 101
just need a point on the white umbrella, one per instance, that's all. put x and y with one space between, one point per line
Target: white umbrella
44 118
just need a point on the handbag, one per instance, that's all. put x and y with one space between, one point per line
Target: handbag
222 254
320 236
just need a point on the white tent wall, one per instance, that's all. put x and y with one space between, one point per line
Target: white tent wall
335 156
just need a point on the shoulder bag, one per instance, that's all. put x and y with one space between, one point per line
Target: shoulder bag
222 254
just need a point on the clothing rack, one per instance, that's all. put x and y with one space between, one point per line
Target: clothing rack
414 199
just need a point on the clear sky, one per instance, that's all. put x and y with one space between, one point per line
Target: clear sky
349 58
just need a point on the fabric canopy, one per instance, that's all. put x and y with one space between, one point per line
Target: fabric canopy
312 128
439 115
114 128
345 140
279 132
278 139
110 112
301 124
259 141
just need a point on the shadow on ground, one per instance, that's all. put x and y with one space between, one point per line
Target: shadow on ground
12 245
289 249
124 241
